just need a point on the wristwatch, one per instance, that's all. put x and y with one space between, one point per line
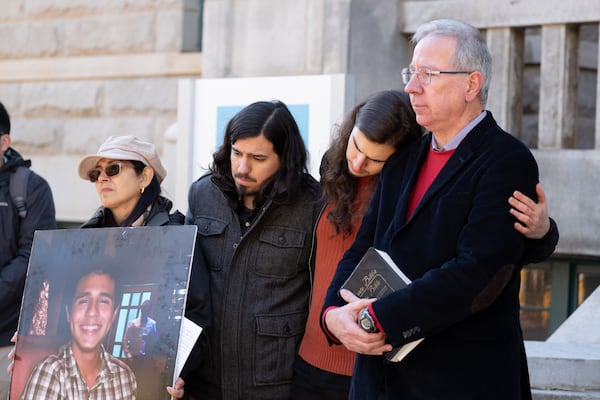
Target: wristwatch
366 321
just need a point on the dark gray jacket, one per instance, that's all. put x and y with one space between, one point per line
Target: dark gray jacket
260 284
16 237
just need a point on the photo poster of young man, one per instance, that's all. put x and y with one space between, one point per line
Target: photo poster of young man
103 303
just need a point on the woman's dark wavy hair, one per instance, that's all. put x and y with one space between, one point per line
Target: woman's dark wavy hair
385 117
150 195
273 120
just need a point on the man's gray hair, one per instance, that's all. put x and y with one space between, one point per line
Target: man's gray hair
472 51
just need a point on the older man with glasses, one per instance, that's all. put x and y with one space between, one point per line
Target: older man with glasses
441 212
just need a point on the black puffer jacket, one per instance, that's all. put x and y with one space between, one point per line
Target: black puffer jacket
16 237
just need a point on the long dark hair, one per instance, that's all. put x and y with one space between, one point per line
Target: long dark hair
385 117
273 120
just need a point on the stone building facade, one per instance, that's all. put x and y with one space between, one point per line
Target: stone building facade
74 72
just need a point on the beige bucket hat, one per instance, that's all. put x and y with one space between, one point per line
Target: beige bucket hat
124 148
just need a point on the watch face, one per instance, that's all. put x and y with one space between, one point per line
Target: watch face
366 321
366 324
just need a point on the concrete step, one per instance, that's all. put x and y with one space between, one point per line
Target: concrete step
567 365
563 395
564 366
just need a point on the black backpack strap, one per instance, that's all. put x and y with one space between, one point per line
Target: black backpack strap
18 189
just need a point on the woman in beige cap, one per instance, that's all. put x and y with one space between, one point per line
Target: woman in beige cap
127 173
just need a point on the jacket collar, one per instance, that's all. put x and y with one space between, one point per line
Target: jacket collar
12 160
461 157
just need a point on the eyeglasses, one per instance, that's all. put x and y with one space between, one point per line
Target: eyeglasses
424 74
110 170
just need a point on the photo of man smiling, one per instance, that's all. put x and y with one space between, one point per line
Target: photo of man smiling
84 287
82 368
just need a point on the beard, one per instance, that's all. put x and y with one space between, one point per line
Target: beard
255 192
244 191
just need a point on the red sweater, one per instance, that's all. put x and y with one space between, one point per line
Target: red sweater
431 168
314 348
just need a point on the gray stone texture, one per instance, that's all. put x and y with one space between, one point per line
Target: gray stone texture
299 37
56 118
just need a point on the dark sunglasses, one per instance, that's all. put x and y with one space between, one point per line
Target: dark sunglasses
110 170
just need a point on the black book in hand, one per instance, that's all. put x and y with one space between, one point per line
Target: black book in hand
377 275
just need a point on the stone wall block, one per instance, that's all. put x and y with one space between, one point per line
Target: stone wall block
13 43
83 135
61 99
267 38
110 34
217 31
142 96
37 135
42 39
336 36
10 96
71 8
140 127
169 28
29 39
11 10
156 4
177 3
53 8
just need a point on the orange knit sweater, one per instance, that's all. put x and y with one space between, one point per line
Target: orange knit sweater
314 348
